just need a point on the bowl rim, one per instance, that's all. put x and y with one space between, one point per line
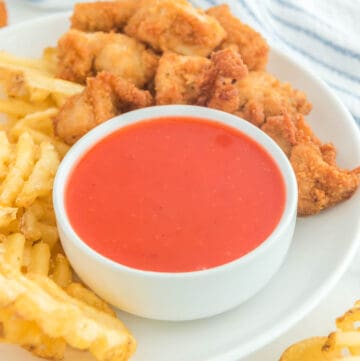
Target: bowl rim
103 130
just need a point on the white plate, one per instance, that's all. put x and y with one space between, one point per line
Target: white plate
322 249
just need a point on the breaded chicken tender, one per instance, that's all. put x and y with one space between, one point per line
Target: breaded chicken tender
218 84
81 55
103 16
253 95
176 80
262 96
282 129
177 26
225 84
320 184
249 43
104 97
182 79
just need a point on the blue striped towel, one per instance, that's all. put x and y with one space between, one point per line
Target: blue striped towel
323 35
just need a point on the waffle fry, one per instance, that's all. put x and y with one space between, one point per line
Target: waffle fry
21 108
43 65
40 259
81 293
7 216
306 350
4 154
19 170
46 314
345 341
341 345
28 335
38 120
36 227
41 307
41 179
34 84
62 274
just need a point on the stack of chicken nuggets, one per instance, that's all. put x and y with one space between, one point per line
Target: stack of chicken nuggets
132 55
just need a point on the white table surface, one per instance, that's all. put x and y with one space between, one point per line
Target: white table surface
321 320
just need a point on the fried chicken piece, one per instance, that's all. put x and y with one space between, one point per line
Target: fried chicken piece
321 184
81 55
218 85
249 43
177 26
104 97
102 16
262 96
328 152
282 130
254 95
176 80
182 79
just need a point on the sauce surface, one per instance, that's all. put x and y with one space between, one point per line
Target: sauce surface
175 194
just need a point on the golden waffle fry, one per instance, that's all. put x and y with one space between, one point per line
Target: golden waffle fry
40 137
17 107
78 291
62 274
7 215
9 60
40 120
23 298
346 339
41 179
19 170
306 350
341 345
38 223
35 84
36 298
40 259
5 153
13 253
28 335
49 57
41 308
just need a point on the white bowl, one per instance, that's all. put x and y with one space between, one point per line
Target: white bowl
177 296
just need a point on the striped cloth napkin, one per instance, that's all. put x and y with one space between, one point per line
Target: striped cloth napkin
322 35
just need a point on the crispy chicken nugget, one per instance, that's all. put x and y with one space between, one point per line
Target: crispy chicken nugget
176 80
218 83
81 55
104 97
176 26
182 79
102 16
249 43
283 130
262 95
224 83
320 184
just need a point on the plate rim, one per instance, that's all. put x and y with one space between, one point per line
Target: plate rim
293 318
